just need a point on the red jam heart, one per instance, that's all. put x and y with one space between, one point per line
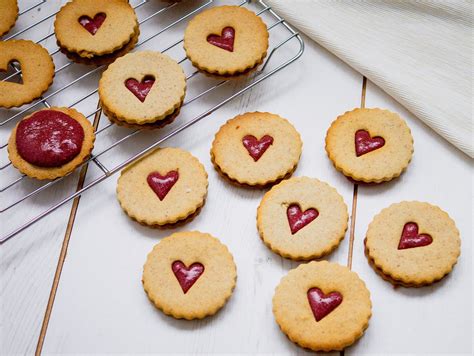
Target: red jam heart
365 144
322 304
187 276
161 185
298 219
410 237
256 147
92 25
49 138
225 40
140 89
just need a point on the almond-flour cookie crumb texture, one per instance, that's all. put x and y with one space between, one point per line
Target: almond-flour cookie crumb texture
412 244
302 218
226 40
370 145
256 149
96 31
8 15
165 187
322 306
144 88
37 72
51 143
189 275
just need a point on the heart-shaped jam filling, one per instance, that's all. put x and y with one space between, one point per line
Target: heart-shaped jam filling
365 144
322 304
92 25
161 185
410 237
225 40
299 219
187 276
257 148
49 138
140 89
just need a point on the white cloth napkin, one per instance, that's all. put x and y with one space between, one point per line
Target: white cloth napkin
419 52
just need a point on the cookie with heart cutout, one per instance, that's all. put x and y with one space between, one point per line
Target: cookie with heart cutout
256 149
96 30
412 244
142 88
370 145
165 187
189 275
302 218
8 15
226 40
322 306
51 143
37 72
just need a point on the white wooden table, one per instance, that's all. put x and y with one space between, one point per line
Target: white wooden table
100 305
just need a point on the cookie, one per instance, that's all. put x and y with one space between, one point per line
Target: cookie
412 244
322 306
189 275
37 72
8 15
106 58
256 149
142 88
51 143
370 145
93 29
226 40
302 218
165 187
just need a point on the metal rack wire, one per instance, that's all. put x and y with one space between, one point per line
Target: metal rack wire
260 75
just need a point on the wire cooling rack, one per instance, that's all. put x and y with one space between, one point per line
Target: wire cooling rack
163 23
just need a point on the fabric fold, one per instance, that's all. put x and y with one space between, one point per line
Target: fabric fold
420 53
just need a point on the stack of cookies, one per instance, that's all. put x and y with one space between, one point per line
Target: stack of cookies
96 31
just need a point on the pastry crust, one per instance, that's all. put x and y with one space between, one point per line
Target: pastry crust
337 330
250 44
210 291
418 266
183 200
8 15
380 165
37 71
233 161
118 29
318 238
43 173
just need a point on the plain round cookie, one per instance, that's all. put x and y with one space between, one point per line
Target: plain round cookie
380 164
37 71
8 15
231 158
412 266
42 173
118 29
165 97
249 47
314 240
339 328
184 199
208 293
